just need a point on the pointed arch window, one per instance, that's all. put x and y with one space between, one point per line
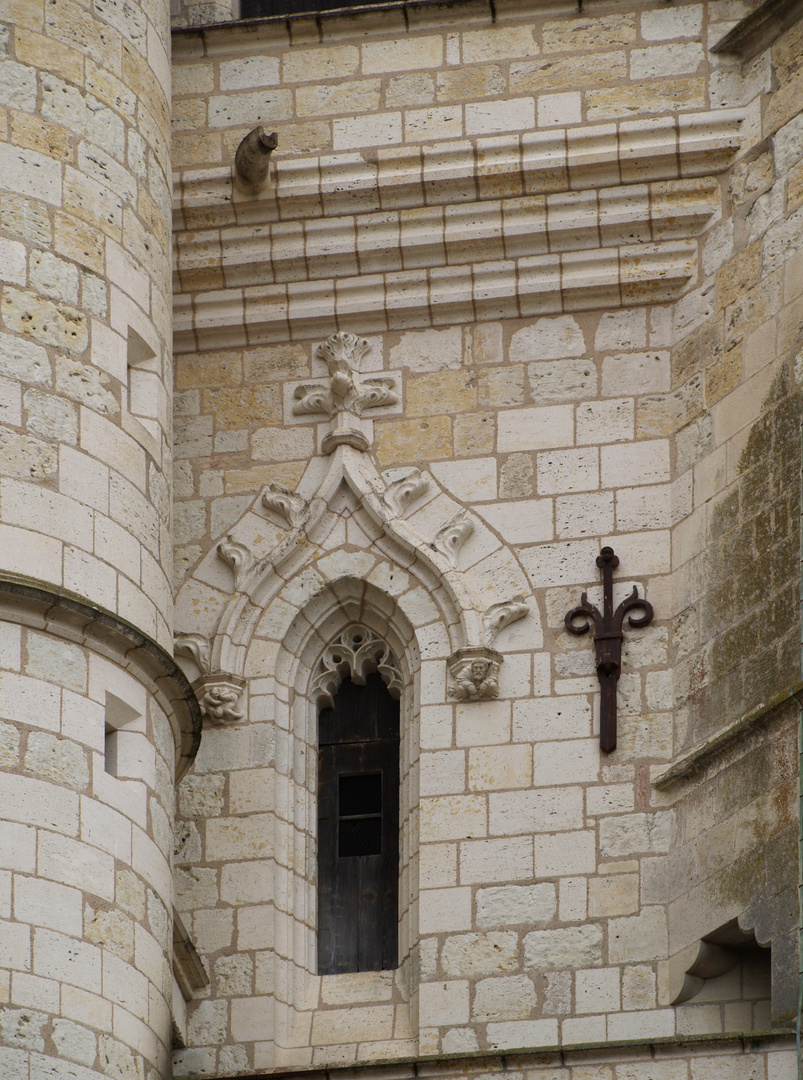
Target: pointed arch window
358 808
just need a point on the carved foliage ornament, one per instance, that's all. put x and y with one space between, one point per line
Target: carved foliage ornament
196 647
346 391
358 652
498 616
403 493
450 538
291 507
237 556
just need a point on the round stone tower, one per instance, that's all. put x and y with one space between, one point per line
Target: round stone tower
95 719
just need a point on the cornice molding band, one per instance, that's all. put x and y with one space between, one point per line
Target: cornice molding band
73 619
542 285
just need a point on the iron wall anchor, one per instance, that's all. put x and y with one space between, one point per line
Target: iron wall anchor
608 640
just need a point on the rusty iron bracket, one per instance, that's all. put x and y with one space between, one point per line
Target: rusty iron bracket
608 640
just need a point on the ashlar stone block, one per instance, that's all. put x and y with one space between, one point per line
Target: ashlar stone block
572 947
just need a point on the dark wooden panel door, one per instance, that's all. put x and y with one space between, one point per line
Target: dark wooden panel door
358 830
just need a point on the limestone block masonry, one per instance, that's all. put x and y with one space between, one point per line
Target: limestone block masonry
571 242
95 718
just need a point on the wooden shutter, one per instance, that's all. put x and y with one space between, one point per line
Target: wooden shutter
358 830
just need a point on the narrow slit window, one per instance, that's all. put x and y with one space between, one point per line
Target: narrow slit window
144 384
358 830
110 751
118 757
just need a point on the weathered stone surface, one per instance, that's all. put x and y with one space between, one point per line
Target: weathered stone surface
579 946
468 955
57 759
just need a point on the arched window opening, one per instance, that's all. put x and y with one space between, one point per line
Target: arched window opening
358 829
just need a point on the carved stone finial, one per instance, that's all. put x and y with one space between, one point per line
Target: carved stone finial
196 647
219 695
289 505
498 616
252 160
342 353
357 652
346 392
237 556
475 674
402 493
449 539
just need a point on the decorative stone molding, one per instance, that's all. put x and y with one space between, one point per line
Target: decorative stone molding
687 153
358 652
346 391
291 507
379 505
450 538
219 695
498 616
196 647
401 494
474 674
237 556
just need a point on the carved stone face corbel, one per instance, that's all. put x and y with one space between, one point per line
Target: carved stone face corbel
219 696
474 674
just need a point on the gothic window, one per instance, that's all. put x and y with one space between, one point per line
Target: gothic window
358 829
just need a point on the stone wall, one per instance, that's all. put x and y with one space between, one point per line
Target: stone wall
86 315
91 707
570 241
85 847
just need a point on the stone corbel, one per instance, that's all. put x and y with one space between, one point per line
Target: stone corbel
219 695
474 674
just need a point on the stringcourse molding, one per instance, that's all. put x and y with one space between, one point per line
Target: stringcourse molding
590 218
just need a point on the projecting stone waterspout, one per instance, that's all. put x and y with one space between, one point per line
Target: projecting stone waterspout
252 160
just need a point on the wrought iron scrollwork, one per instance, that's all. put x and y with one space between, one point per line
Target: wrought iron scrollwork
608 640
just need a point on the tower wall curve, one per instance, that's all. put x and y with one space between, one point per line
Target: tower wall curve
92 709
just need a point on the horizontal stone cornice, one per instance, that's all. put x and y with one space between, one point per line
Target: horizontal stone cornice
29 603
534 163
541 223
540 285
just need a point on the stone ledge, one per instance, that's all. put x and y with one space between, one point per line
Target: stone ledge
695 760
69 616
758 30
484 1061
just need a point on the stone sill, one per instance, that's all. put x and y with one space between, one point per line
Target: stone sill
694 760
485 1061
